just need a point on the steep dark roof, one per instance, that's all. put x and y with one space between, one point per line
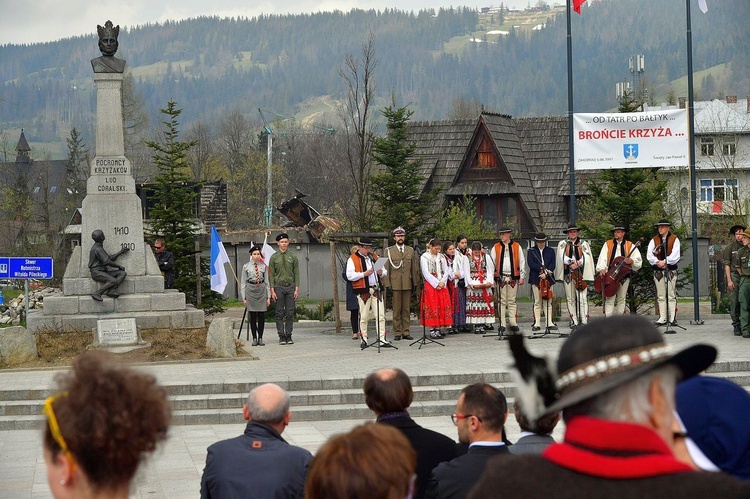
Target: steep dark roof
441 145
544 141
533 150
23 144
502 128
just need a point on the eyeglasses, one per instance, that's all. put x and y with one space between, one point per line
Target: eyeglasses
158 247
455 417
54 427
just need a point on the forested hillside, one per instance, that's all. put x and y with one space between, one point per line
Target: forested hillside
212 66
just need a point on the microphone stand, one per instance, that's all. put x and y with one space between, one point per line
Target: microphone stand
424 339
380 344
666 273
500 335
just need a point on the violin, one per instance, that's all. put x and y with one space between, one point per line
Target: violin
576 275
618 271
545 289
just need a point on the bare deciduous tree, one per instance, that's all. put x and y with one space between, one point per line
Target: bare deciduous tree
358 76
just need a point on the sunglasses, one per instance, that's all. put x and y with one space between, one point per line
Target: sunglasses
54 427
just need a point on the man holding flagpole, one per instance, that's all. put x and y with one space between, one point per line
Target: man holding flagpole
283 269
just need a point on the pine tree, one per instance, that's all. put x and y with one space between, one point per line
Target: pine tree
397 186
174 213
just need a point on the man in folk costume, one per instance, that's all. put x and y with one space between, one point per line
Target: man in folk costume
510 272
402 277
616 390
613 248
542 263
663 254
479 282
574 256
359 270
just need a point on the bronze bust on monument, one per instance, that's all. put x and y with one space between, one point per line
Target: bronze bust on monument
108 45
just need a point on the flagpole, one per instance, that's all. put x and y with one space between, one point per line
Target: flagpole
571 168
691 158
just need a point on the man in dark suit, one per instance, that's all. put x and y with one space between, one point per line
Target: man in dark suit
481 412
534 437
388 393
259 463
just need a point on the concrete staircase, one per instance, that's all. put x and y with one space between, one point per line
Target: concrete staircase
311 400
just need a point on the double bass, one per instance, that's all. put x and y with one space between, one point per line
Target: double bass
617 272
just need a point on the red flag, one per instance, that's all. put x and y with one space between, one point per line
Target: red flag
577 5
718 206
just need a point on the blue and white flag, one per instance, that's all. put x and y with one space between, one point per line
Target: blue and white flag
702 6
218 258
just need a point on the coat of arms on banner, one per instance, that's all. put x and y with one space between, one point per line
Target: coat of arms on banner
630 151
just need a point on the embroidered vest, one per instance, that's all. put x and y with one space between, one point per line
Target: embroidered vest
611 253
361 266
499 250
659 249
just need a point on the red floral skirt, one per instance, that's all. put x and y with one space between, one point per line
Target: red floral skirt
436 309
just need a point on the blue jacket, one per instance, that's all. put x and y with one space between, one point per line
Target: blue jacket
535 261
258 464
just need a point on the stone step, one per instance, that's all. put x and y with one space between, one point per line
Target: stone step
221 403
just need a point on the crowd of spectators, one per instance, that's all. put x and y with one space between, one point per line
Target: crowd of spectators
639 422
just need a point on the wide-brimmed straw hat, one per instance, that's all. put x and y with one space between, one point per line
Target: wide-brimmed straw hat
607 353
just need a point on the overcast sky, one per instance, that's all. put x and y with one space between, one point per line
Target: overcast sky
31 21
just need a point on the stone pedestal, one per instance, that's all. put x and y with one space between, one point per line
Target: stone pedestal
111 205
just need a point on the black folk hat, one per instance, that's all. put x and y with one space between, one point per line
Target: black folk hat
541 236
365 241
608 353
570 227
663 221
735 228
281 236
619 227
503 230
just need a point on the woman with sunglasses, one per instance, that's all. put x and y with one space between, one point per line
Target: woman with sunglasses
101 424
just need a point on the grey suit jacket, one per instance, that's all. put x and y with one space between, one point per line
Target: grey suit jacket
531 444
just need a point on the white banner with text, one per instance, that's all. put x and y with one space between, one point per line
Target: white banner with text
630 140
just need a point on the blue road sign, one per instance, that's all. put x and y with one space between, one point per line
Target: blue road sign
4 268
27 268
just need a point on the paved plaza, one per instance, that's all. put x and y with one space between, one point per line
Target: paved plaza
318 353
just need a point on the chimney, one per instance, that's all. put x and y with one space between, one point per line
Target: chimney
731 99
683 100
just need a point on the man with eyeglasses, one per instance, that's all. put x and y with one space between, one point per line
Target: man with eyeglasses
165 259
480 414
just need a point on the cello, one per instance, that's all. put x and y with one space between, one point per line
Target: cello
618 271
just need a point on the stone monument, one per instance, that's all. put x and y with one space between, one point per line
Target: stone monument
111 205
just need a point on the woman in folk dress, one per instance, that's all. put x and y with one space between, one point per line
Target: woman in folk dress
436 310
479 307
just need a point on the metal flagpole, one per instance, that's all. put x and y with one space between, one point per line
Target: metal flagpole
571 168
691 157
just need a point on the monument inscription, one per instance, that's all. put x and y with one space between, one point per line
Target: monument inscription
116 332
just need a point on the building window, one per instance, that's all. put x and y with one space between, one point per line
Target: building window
729 148
499 212
707 146
719 189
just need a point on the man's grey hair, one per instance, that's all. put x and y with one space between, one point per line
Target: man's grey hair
160 240
629 402
267 415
